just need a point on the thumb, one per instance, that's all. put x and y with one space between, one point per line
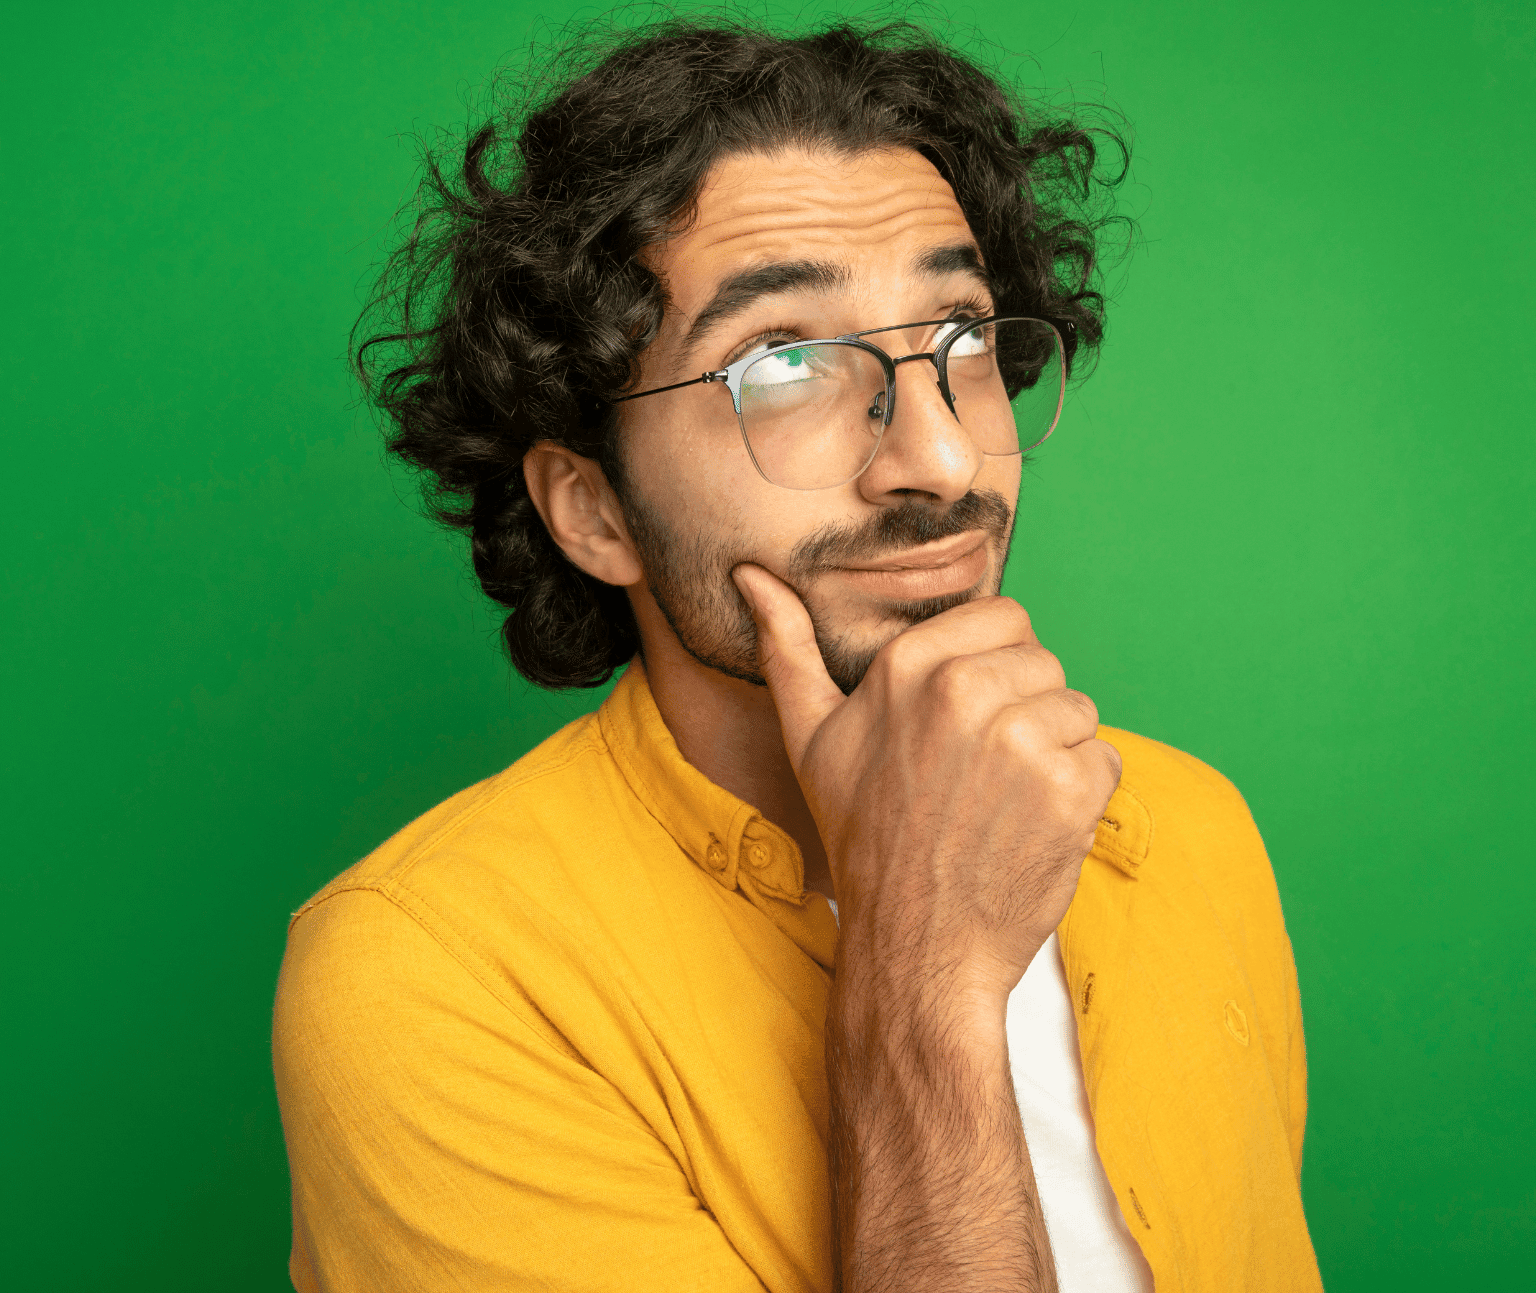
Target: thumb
802 690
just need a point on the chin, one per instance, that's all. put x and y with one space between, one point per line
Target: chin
848 651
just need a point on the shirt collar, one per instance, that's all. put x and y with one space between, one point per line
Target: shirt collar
739 848
724 836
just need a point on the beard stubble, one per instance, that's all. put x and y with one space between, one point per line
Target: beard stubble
689 575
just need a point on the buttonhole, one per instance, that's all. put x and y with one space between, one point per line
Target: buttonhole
1236 1021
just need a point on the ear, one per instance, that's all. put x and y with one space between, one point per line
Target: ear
581 512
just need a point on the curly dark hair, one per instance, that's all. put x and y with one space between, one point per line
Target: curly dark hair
517 306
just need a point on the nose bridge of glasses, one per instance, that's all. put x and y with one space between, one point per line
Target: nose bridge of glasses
932 374
896 361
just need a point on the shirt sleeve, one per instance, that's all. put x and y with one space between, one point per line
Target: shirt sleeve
1296 1057
438 1141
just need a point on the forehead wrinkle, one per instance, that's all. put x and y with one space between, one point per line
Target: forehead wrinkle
808 177
759 210
872 220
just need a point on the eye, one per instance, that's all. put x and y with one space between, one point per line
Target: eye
798 365
965 315
972 342
761 342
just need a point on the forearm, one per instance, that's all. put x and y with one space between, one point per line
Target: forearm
931 1176
956 791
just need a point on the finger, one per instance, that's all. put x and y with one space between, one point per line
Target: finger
1004 675
1101 763
1061 719
802 690
1109 754
970 629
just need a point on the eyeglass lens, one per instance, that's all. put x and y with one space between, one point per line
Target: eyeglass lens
813 415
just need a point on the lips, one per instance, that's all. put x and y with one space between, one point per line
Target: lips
928 556
931 570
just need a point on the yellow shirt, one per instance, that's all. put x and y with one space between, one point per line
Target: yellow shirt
564 1032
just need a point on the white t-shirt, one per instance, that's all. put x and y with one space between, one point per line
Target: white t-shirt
1091 1244
1093 1248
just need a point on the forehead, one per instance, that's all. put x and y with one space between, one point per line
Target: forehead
872 212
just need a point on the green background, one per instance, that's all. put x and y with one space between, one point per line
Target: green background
1287 526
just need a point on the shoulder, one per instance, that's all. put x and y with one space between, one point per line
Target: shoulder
546 882
431 904
502 867
515 806
1184 820
1183 794
1204 892
1172 776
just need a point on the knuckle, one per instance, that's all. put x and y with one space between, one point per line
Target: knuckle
1016 730
1008 610
1010 622
1084 703
1031 667
1051 670
1066 783
899 657
955 679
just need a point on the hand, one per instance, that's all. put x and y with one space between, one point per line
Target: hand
957 789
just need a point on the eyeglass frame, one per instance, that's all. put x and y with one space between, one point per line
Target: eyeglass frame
730 376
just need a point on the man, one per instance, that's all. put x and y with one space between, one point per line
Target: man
840 947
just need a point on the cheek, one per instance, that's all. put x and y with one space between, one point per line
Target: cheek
1002 473
677 460
701 479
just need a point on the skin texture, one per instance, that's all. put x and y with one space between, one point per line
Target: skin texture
948 799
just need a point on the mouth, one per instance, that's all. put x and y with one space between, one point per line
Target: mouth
929 570
926 556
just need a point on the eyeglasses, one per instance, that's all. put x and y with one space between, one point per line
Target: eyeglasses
812 413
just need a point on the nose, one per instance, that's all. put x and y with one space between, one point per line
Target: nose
925 450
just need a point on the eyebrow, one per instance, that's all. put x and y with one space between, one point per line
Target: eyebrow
961 258
740 292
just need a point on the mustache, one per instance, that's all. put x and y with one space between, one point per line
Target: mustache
906 525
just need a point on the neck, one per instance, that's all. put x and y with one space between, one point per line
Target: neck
729 730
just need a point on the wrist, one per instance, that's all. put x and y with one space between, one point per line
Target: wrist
933 1016
931 976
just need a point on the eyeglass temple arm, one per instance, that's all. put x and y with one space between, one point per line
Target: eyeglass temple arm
718 376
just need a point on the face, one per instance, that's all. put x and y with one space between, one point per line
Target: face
801 245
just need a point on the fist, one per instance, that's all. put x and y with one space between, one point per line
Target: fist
957 790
